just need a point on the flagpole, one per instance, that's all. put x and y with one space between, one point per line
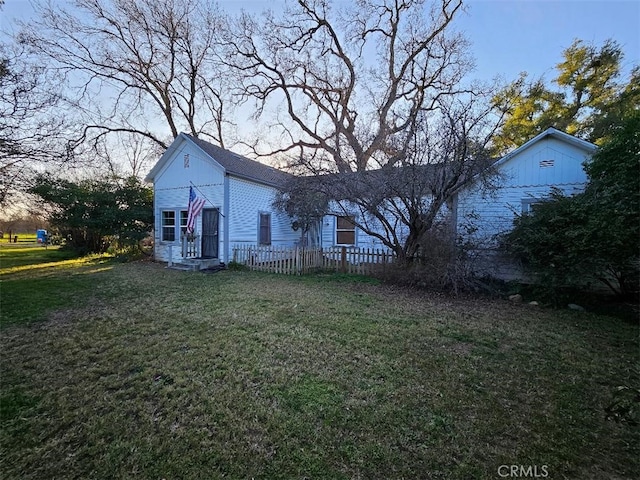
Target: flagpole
200 191
203 195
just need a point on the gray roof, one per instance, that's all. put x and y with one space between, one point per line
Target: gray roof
240 166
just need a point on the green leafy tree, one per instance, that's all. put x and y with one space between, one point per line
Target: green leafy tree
93 215
551 242
588 101
603 122
566 241
613 198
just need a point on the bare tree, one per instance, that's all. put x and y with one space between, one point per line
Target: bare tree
147 67
122 155
349 84
372 93
31 124
403 204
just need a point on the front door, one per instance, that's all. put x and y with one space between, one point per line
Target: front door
210 233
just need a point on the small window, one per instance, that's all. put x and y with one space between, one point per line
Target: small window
183 222
527 203
265 229
345 231
168 226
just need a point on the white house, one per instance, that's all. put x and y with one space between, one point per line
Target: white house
238 193
551 159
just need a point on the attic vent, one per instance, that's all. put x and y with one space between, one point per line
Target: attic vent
186 161
546 163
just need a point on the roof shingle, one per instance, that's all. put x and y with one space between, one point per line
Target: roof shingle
240 166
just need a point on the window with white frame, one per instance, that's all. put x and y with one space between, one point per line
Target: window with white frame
528 203
345 230
168 226
183 222
264 229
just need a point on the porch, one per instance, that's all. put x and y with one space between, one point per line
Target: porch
191 253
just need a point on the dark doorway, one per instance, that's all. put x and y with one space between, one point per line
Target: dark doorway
210 233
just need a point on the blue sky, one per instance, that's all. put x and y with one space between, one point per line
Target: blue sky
508 36
511 36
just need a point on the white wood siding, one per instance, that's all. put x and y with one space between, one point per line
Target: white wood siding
328 235
246 201
171 192
363 240
527 175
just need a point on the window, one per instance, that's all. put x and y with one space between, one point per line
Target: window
527 203
183 222
264 234
345 231
168 226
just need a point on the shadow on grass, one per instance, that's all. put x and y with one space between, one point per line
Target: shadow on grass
15 256
168 374
35 281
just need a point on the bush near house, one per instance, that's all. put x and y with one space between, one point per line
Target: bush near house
592 236
93 216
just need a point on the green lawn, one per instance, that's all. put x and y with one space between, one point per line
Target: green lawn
114 370
23 238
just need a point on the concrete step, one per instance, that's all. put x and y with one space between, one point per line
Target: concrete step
183 267
195 264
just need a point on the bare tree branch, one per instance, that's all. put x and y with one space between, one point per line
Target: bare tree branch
149 58
352 79
32 127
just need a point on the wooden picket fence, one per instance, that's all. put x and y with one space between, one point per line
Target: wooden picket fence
299 261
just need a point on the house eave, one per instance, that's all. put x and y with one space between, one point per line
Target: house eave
549 132
164 158
253 179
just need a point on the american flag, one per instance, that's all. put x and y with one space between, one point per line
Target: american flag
195 206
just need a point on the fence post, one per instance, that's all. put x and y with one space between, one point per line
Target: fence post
343 260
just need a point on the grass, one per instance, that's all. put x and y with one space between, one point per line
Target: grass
23 238
32 256
36 280
145 372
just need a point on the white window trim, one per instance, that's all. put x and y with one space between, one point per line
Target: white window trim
528 202
163 226
336 230
178 226
182 227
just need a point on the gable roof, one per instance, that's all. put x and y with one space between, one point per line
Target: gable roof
233 163
553 133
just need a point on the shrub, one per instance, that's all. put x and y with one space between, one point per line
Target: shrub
592 236
95 215
441 264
